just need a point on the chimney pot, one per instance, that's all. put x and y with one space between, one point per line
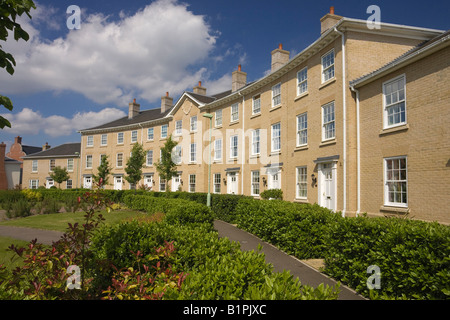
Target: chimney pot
331 10
280 46
239 68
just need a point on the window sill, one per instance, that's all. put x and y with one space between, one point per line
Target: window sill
300 200
403 127
275 108
275 153
234 122
218 127
387 208
325 84
302 95
301 148
327 143
256 115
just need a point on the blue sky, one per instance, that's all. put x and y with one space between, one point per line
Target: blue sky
67 80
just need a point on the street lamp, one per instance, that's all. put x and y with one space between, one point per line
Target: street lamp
208 198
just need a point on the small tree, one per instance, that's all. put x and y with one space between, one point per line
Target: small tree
104 169
59 175
135 164
165 166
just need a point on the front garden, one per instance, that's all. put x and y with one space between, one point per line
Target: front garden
178 254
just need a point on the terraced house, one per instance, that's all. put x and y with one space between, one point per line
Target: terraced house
341 124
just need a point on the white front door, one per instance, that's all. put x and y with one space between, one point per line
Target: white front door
87 183
50 183
232 183
327 186
118 181
274 179
176 181
148 181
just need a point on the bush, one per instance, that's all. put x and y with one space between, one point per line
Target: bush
18 208
275 194
413 256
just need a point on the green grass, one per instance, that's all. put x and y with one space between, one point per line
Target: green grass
59 221
5 255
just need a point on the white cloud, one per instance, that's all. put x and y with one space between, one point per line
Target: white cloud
142 55
28 121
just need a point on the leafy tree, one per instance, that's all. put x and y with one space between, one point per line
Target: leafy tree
104 169
59 175
9 11
165 166
135 164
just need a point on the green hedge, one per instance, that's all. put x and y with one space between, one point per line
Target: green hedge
216 267
413 256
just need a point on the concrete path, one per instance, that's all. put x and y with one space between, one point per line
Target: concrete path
282 261
29 234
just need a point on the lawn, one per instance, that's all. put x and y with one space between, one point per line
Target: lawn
59 221
5 256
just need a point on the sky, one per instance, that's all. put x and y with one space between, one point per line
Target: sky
72 79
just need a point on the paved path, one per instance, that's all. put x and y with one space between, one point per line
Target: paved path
280 260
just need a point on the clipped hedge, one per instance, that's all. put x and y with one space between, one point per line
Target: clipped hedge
297 229
216 267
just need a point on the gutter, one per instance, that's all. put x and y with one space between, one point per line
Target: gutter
358 153
243 142
344 120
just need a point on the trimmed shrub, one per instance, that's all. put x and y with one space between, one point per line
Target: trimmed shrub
275 194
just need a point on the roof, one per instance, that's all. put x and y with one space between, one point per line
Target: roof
9 160
64 150
408 57
31 149
143 116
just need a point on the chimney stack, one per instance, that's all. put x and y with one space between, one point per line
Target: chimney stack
238 79
329 20
166 103
199 89
279 58
133 109
3 180
45 146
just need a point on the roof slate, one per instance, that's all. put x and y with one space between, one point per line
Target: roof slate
67 149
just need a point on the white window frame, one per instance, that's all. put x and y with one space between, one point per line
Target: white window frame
121 160
150 134
120 138
302 129
193 124
256 104
193 153
302 81
387 106
255 183
234 146
34 166
328 122
50 166
67 184
218 150
218 118
70 165
178 127
91 157
217 182
149 158
274 138
134 136
276 95
256 142
162 184
301 174
387 201
326 69
34 183
192 180
164 130
234 117
104 140
89 141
